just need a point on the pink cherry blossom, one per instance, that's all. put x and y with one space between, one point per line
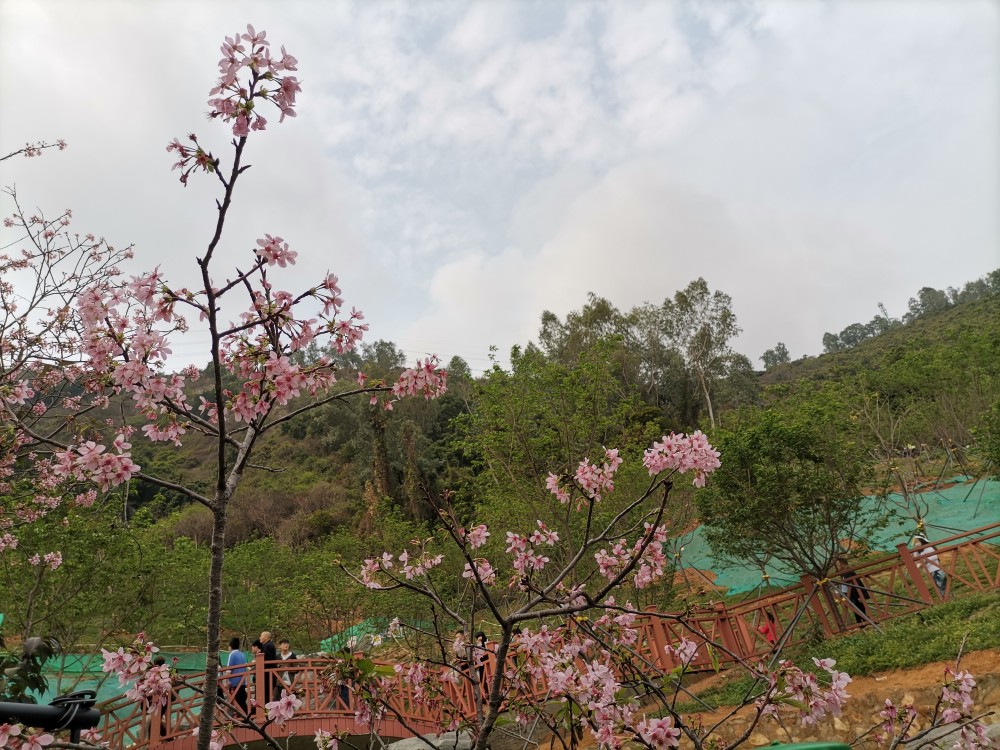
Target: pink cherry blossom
284 708
682 453
36 741
659 733
325 740
477 536
8 732
485 571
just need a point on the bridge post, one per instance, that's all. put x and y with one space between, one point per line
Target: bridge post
910 563
658 636
259 687
726 632
156 723
812 594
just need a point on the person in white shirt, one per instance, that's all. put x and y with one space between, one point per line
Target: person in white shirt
285 653
927 559
458 648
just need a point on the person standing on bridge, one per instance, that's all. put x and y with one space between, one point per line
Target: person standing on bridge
285 653
459 649
852 586
482 650
928 560
270 657
237 677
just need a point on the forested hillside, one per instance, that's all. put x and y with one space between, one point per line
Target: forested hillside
339 483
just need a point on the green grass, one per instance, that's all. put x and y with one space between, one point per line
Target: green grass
932 635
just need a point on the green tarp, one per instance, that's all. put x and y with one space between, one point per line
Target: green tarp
949 511
84 672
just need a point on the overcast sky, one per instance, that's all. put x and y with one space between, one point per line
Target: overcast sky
465 166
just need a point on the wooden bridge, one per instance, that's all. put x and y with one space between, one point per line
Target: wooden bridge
894 584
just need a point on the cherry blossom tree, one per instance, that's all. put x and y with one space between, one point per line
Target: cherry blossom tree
569 655
560 625
90 347
40 351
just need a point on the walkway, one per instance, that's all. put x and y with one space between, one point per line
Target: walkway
895 585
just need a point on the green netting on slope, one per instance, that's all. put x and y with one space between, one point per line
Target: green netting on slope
84 672
353 636
951 510
93 663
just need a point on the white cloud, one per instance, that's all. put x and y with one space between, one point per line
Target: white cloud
465 166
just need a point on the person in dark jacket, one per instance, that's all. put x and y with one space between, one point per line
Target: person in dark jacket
270 652
853 587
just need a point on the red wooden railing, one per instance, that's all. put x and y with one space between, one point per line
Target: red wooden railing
895 586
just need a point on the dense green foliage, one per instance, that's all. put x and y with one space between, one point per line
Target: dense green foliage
21 675
789 490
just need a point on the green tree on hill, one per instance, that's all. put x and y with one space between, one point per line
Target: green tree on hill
776 356
789 490
700 323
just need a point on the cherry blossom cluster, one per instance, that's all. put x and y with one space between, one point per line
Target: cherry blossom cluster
370 687
326 740
683 453
153 682
896 721
476 537
233 100
619 628
648 549
126 329
371 707
790 685
410 566
32 150
93 462
191 158
426 379
683 653
593 480
236 101
52 559
957 702
284 708
957 695
575 667
17 737
483 571
526 558
659 733
415 675
40 347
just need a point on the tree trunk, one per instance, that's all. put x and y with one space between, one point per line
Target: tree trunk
214 622
708 399
380 455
